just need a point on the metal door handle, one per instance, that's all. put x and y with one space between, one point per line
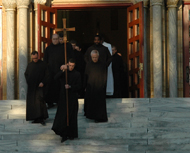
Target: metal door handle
140 69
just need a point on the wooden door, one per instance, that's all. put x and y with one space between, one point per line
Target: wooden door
135 29
186 49
47 22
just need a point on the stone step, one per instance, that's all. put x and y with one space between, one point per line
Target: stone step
135 125
167 151
49 146
166 147
170 141
77 141
44 146
118 100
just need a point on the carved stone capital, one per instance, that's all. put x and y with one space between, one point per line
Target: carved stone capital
9 4
23 3
146 2
172 3
156 2
36 2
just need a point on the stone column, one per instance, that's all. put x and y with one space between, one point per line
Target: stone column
10 6
157 47
22 6
36 2
172 30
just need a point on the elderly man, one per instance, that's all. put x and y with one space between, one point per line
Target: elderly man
104 54
54 57
95 84
36 75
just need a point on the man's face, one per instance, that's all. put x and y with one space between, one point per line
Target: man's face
95 57
71 66
114 50
73 45
61 40
97 40
55 39
35 58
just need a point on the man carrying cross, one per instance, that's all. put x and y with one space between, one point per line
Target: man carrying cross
65 123
60 126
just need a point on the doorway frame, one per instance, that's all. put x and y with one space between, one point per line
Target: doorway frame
99 6
87 6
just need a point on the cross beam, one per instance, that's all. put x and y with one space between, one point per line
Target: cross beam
64 30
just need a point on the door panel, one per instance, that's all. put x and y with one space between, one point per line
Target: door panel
47 22
186 49
135 29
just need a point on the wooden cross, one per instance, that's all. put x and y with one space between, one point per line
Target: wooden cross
64 30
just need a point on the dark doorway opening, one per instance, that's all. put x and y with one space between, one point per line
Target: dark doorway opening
111 22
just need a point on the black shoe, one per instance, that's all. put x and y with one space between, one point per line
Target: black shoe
96 121
36 121
43 123
63 139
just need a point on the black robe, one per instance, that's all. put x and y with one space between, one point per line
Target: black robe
118 72
60 122
80 67
54 57
95 97
104 54
70 52
35 74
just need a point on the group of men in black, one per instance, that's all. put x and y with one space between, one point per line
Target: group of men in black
85 74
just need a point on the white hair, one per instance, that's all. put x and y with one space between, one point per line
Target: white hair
94 52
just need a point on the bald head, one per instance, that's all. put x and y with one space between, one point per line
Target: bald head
94 55
55 39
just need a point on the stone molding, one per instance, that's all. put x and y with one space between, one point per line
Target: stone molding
9 4
156 2
172 3
39 1
89 1
36 2
146 2
23 3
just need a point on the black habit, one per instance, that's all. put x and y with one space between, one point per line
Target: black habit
80 67
95 97
54 57
104 54
118 73
60 122
35 74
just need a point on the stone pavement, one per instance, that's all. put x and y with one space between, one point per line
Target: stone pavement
140 125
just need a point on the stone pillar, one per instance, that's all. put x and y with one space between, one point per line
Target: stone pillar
22 6
36 2
157 47
10 6
172 30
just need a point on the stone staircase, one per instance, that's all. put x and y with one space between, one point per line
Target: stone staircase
135 126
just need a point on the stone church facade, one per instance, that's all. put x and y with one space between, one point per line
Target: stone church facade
163 48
